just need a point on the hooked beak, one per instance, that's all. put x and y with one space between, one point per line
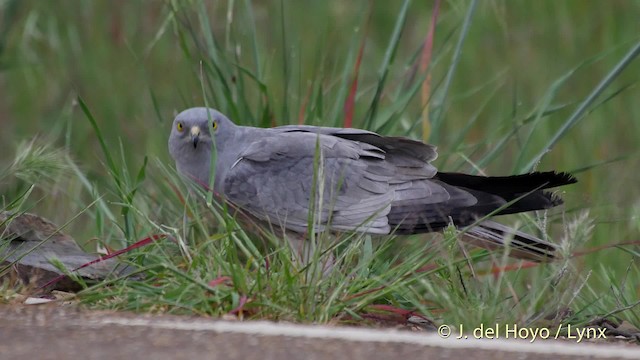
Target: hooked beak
195 136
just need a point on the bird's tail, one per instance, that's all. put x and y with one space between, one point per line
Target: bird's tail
492 235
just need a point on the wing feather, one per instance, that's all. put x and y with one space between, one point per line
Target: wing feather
369 182
274 181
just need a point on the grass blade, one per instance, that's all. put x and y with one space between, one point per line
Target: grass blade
590 99
386 63
440 96
349 103
113 169
285 64
424 66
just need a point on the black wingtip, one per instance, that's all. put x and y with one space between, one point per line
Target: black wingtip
561 178
554 200
512 184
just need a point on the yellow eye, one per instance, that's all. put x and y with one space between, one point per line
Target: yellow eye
180 127
215 125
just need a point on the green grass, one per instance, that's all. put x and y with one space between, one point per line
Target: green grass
99 85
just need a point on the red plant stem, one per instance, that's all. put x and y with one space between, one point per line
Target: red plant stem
424 66
240 307
138 244
218 281
349 103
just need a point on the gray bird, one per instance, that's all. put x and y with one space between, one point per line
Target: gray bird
355 180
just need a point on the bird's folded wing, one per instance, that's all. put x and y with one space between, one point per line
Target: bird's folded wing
348 184
411 149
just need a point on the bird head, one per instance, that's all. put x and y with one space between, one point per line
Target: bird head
193 134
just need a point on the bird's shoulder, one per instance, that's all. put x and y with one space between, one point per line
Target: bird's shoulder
398 145
277 144
304 140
